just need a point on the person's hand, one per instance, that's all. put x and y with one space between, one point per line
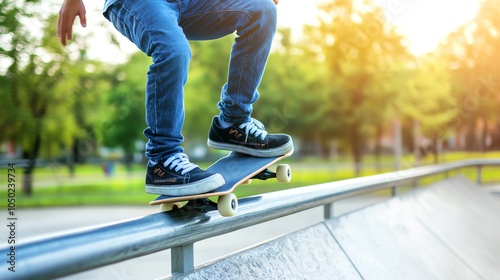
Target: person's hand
70 9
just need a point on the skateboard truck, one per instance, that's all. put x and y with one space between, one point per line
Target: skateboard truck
282 174
265 174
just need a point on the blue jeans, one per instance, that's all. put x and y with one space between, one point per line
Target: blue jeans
162 28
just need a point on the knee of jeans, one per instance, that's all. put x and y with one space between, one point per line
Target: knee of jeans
168 51
268 12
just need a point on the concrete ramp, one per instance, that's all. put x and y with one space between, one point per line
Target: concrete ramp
450 230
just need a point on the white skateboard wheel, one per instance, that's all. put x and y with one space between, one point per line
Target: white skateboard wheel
283 173
227 205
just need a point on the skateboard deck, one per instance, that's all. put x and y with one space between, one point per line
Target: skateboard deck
236 168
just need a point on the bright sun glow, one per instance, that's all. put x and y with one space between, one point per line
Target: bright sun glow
424 22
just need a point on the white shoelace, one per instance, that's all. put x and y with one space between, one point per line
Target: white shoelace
180 161
254 127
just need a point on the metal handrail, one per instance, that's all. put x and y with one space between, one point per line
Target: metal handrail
86 249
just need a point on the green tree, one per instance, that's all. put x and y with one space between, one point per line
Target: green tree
207 73
471 52
293 91
357 46
124 122
428 101
16 48
39 103
15 43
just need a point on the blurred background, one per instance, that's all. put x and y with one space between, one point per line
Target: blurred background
363 86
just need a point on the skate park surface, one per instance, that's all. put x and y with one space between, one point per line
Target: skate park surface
446 231
450 230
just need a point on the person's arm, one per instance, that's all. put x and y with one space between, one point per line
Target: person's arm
70 9
275 2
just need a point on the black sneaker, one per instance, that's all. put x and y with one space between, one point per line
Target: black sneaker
248 138
177 176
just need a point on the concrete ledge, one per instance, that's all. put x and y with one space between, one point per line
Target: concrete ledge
301 255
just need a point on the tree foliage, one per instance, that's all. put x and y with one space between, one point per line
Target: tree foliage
124 121
44 89
358 48
338 89
472 52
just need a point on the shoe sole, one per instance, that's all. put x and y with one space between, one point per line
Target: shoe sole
274 152
198 187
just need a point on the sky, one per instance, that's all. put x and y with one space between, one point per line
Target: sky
423 22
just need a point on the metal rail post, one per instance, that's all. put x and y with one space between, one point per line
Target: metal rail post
182 259
394 191
479 174
328 211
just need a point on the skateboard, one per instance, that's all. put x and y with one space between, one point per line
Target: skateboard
237 169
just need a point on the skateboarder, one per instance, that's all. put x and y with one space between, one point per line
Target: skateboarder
161 29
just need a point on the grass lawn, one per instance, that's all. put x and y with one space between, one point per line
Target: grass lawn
89 186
